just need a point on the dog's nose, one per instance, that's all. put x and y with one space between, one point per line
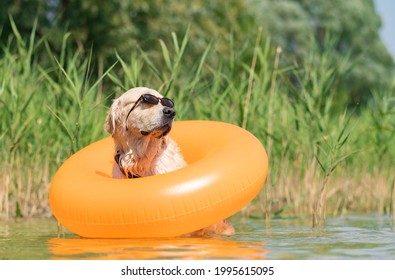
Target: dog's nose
169 112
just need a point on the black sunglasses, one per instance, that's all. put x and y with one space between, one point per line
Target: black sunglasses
153 100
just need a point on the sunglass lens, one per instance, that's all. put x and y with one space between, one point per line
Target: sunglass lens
167 102
150 99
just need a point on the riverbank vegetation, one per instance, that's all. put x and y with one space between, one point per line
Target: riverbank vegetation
327 156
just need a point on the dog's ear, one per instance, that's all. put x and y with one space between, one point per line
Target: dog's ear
109 125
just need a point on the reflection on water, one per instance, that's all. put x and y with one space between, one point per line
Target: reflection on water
351 237
142 249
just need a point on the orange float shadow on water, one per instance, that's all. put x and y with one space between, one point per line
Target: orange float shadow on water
149 249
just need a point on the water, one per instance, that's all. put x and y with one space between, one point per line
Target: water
350 237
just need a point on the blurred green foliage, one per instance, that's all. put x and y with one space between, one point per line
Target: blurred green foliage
105 28
355 25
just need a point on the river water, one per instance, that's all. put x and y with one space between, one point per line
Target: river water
370 237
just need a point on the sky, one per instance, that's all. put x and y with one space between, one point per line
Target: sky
386 9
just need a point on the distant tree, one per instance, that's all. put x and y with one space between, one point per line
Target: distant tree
124 25
24 13
106 26
98 26
354 23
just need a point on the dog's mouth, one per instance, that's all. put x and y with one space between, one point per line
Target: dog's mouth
158 132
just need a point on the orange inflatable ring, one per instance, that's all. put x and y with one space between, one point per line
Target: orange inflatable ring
227 166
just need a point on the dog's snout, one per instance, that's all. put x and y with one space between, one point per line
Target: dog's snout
169 112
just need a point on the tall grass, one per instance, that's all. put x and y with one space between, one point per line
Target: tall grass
324 159
46 114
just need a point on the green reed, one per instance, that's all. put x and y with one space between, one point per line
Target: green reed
324 159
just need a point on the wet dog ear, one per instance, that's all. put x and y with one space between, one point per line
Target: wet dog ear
109 125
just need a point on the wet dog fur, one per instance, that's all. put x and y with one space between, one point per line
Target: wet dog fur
142 145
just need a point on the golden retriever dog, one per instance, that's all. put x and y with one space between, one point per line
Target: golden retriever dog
139 122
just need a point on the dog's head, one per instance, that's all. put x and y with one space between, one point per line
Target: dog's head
140 112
